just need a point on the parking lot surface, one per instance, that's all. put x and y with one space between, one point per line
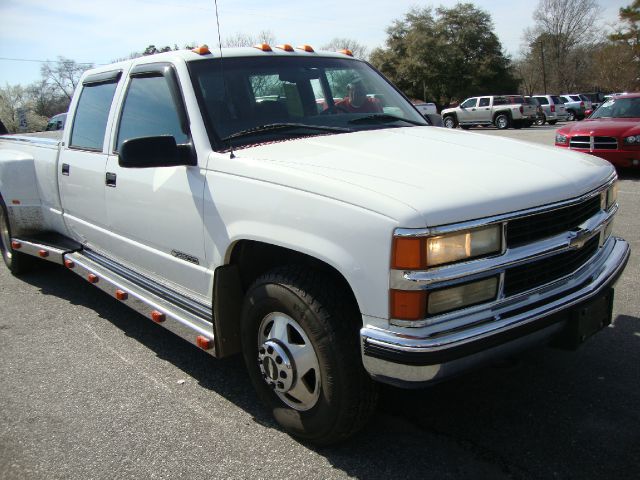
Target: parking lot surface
90 389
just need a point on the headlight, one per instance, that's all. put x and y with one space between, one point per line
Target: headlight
447 299
423 252
561 138
632 140
457 246
612 195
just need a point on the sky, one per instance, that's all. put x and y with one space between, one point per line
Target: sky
99 32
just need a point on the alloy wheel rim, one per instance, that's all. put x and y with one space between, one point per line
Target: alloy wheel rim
5 237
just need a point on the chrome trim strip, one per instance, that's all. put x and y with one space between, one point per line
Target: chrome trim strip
500 319
177 320
452 227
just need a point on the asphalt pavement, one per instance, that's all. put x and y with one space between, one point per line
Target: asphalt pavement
90 389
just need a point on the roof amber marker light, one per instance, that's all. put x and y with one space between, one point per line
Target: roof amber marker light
121 295
306 48
158 317
346 51
265 47
202 50
203 342
43 253
91 278
69 264
15 202
286 47
16 245
408 305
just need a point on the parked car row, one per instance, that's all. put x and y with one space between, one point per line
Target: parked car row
492 110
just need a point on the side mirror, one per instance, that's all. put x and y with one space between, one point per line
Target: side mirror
148 152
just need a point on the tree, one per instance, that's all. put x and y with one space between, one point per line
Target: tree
13 99
562 28
450 55
358 50
64 74
627 41
248 40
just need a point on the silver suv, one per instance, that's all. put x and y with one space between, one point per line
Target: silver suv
553 109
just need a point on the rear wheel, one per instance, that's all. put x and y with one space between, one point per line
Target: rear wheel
541 120
572 116
301 346
502 121
16 262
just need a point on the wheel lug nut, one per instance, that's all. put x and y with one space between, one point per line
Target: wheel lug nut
270 350
281 385
283 374
278 359
261 350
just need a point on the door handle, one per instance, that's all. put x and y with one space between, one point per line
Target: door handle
65 169
110 179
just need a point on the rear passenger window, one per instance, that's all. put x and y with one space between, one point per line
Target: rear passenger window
149 111
92 113
484 102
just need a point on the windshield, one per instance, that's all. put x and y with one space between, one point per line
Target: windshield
274 98
619 108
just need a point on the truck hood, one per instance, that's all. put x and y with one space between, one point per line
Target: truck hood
613 127
441 176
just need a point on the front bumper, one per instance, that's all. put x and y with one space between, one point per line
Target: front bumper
409 357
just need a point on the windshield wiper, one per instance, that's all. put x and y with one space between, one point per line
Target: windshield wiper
386 117
284 126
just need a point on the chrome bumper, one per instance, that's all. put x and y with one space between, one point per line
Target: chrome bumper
411 357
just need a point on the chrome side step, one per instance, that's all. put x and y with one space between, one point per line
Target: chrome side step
193 328
48 249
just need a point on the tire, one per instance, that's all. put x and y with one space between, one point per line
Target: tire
16 262
450 121
572 116
502 121
553 122
293 316
541 120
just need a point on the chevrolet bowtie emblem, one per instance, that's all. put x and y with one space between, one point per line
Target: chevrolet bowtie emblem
577 238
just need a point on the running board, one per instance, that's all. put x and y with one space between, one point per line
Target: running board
186 323
193 328
49 247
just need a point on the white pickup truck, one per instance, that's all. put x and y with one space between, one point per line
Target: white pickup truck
261 204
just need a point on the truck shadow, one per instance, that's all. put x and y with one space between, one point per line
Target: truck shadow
548 414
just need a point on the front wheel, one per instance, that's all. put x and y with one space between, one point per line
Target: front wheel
450 121
572 116
16 262
301 346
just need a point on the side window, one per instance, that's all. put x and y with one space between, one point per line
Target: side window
149 111
469 103
542 100
92 113
484 102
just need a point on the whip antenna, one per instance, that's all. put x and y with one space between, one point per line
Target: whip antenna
224 81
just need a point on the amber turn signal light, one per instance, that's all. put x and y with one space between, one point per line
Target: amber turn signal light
408 305
408 253
157 316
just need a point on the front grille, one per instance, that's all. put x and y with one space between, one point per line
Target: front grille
599 143
536 227
535 274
